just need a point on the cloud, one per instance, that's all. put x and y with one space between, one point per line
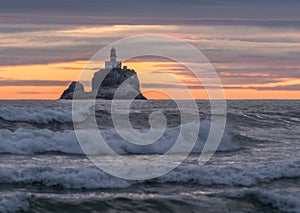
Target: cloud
23 56
34 93
295 87
223 44
238 37
80 68
148 12
173 86
38 83
236 75
148 58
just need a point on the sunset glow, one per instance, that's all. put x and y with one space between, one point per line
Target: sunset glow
257 62
49 80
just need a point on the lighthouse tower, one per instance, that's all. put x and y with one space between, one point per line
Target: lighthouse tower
113 63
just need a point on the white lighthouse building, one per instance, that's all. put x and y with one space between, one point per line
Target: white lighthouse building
113 63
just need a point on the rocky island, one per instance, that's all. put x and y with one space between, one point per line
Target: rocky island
113 82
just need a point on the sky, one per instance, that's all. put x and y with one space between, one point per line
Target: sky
254 46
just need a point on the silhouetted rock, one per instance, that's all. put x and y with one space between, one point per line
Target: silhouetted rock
69 93
116 83
113 82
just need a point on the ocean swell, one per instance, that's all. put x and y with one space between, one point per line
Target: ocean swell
13 202
90 177
42 115
282 200
24 141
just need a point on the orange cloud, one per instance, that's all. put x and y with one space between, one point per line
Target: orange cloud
148 72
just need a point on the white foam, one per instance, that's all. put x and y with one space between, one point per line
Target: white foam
282 200
24 141
87 177
13 202
91 177
246 174
42 115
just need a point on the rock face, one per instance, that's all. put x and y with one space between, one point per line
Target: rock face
108 84
69 93
116 83
113 82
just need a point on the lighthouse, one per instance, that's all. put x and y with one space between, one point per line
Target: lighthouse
106 82
113 63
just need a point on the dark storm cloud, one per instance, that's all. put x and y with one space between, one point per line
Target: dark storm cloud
239 38
34 93
176 86
22 56
79 68
235 75
270 72
295 87
285 87
40 83
248 80
21 28
148 58
150 12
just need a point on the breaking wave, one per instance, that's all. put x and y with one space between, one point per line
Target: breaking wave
90 177
42 115
14 203
24 141
248 174
282 200
94 202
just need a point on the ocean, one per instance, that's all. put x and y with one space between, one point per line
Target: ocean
256 167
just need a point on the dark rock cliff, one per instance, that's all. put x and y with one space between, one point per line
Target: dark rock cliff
108 84
69 92
121 83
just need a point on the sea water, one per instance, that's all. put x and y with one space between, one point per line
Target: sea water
256 167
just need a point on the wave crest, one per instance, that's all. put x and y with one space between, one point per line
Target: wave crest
90 177
24 141
14 203
42 115
282 200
